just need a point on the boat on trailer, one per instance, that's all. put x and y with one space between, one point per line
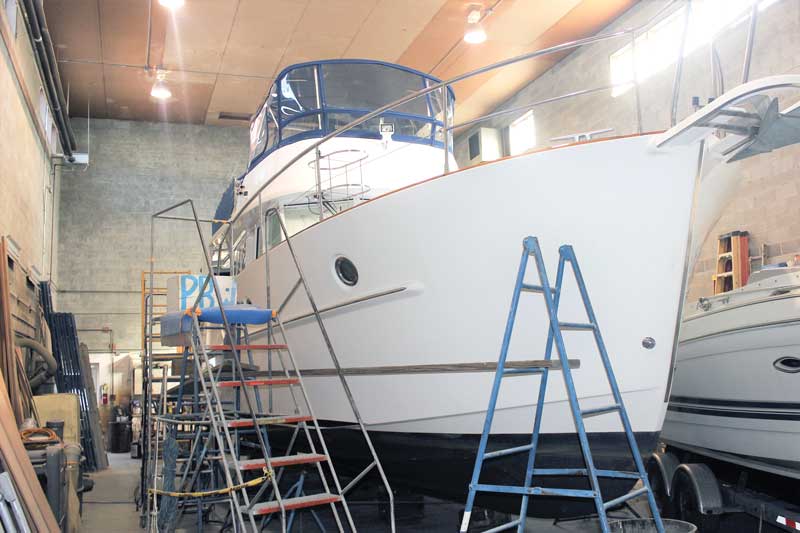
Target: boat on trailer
738 359
412 260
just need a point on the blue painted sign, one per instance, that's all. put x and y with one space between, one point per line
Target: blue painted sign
188 287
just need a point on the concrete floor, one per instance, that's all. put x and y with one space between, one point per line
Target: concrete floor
110 508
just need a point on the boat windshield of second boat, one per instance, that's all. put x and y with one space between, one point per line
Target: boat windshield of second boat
737 373
414 266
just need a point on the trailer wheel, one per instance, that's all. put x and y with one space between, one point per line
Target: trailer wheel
695 493
660 470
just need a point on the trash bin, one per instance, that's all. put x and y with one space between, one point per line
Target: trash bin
119 437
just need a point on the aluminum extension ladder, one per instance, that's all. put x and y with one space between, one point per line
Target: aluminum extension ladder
551 297
225 425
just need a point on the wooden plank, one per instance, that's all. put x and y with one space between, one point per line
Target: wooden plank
446 368
8 356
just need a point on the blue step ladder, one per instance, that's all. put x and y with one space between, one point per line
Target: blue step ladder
551 297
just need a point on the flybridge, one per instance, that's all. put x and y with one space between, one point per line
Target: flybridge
311 100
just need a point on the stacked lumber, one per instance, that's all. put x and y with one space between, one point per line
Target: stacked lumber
71 378
15 406
8 352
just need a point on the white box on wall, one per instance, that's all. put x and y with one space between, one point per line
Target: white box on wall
485 144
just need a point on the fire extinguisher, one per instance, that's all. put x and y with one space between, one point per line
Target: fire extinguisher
104 394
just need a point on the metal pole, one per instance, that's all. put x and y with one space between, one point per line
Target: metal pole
751 35
530 105
146 370
676 83
712 62
636 93
446 129
319 181
339 370
264 224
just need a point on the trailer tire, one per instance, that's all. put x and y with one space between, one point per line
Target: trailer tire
695 493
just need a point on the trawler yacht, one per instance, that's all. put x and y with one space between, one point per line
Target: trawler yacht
412 260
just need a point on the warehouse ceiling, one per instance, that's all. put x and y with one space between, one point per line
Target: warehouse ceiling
219 56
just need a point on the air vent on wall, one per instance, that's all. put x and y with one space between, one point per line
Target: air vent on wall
484 145
225 115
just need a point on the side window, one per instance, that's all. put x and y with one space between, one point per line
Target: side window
258 135
250 246
11 16
271 117
259 243
298 92
299 101
274 235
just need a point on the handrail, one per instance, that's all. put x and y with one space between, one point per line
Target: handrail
531 105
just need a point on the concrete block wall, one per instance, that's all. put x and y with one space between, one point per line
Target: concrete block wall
766 204
28 178
135 169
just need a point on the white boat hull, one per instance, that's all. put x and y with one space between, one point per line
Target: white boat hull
729 396
442 255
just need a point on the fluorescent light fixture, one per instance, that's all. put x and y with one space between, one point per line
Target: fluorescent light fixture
160 90
171 4
475 33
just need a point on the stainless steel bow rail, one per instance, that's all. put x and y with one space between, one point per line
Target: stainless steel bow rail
552 296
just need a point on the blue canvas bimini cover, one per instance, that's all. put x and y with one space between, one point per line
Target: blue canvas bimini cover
238 314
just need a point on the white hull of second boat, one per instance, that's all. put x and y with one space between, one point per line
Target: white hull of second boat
731 393
444 254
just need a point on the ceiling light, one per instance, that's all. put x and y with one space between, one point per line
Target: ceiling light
475 34
172 4
160 90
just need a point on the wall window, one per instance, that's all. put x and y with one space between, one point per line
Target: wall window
11 15
522 134
46 121
658 48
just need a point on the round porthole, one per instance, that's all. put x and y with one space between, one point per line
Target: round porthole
790 365
346 271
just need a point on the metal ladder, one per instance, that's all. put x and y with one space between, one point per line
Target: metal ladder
272 216
552 297
226 424
292 371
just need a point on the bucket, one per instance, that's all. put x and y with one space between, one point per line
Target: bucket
57 426
647 525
